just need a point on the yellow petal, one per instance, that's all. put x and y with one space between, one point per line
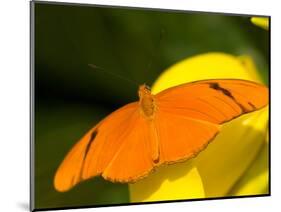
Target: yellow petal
220 165
232 152
255 180
267 136
250 67
162 185
261 22
207 66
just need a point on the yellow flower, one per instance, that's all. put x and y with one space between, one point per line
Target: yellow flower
261 22
235 163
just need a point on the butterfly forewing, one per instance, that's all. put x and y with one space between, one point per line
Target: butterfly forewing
215 101
96 148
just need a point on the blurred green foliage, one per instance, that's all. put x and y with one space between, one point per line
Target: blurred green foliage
71 97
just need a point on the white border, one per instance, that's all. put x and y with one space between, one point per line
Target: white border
14 110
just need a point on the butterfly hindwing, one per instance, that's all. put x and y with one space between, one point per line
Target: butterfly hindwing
134 159
181 138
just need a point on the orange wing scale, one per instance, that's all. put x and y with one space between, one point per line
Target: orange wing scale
127 144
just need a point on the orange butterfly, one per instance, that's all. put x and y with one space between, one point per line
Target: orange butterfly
171 126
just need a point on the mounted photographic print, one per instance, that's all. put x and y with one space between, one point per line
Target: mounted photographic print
138 105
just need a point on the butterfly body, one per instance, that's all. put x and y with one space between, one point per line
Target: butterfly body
171 126
146 102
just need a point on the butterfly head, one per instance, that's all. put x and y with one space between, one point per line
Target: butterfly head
144 90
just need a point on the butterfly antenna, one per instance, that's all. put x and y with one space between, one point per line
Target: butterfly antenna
113 74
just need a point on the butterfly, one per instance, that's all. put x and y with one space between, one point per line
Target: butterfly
171 126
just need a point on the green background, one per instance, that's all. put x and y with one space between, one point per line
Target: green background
71 97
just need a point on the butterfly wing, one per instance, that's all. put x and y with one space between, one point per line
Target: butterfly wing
91 154
134 160
189 115
215 101
120 148
180 137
